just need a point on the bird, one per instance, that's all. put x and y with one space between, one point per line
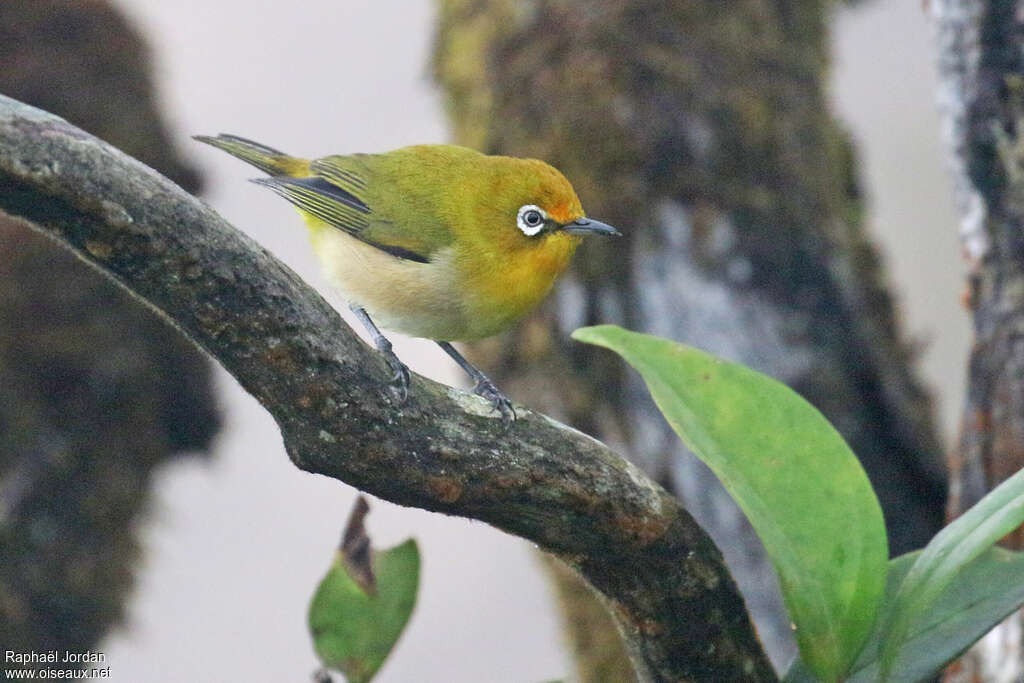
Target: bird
435 241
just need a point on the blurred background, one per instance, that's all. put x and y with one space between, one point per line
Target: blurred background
232 546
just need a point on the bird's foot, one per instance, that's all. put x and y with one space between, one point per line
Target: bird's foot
484 387
399 372
399 375
499 402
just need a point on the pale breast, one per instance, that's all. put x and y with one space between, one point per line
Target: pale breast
418 299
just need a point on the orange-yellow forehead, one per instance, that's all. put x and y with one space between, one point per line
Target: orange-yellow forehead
545 186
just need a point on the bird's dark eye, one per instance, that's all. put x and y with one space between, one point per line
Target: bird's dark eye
530 219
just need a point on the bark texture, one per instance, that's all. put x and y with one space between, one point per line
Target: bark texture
701 130
95 391
441 450
982 97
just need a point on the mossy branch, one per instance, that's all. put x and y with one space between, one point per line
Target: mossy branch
441 450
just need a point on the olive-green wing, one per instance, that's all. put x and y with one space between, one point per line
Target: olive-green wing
347 193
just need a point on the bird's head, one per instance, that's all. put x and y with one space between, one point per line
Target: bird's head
540 203
518 232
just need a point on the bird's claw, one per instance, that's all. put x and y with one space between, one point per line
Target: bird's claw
399 377
499 402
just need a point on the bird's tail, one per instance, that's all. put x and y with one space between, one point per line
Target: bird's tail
265 158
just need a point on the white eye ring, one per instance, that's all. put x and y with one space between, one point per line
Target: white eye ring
531 219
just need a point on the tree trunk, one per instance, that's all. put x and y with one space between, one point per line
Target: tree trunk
700 129
982 100
95 390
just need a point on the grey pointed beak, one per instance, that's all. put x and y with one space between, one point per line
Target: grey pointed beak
586 226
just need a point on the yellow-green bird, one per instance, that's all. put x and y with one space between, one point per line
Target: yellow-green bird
433 241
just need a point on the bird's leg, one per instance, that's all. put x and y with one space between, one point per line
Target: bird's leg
484 387
400 378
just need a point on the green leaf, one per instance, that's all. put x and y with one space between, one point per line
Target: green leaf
798 673
354 630
984 593
994 516
792 474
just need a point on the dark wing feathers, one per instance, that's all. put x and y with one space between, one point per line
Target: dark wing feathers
333 190
400 252
335 206
323 199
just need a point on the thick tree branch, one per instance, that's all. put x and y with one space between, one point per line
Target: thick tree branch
441 450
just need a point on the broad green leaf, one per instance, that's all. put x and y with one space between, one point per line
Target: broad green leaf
798 673
994 516
792 474
354 630
984 593
868 659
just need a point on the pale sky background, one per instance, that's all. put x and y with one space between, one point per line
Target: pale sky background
235 548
